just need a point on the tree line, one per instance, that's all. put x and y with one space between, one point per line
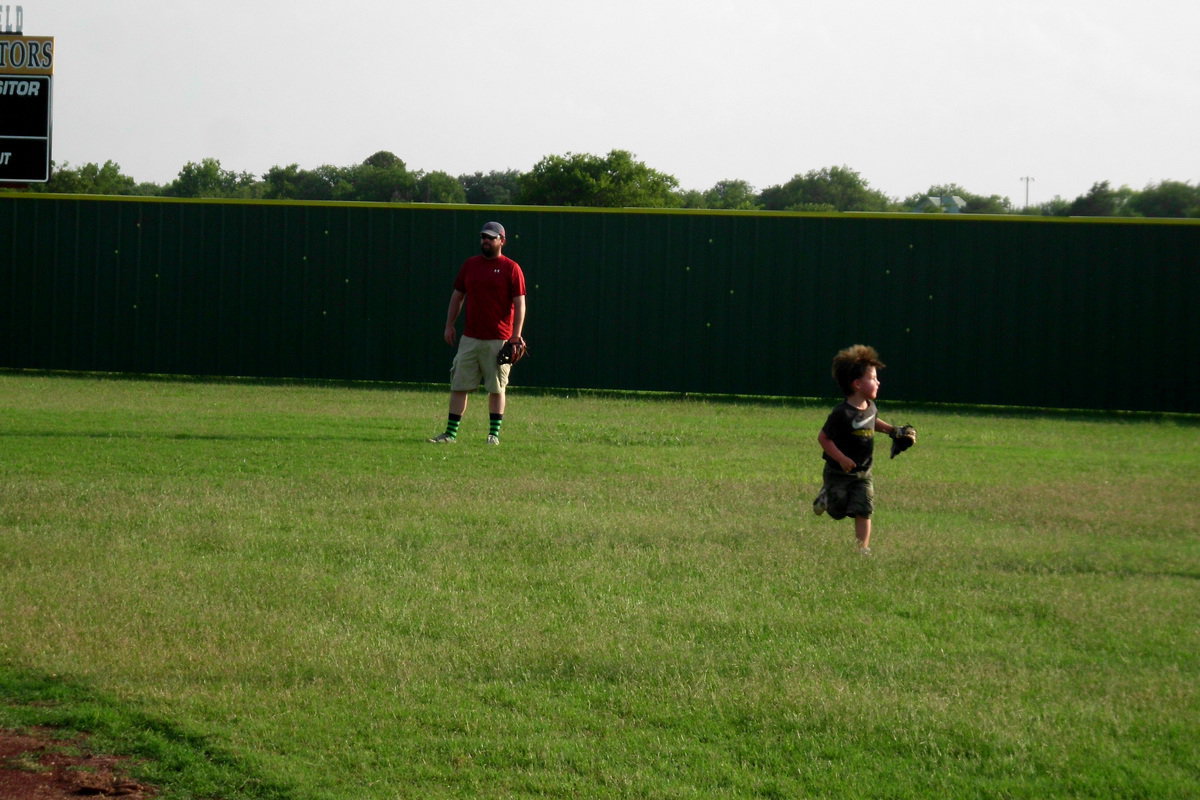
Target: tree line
616 180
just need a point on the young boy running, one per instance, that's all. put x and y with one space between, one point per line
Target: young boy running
848 442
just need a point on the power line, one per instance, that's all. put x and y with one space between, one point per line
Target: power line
1027 180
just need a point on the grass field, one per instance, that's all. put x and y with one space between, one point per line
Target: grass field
282 591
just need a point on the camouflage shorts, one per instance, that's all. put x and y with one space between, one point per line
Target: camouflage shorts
849 494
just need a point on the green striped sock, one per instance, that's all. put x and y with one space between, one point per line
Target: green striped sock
452 425
494 424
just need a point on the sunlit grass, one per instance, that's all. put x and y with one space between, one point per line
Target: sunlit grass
628 598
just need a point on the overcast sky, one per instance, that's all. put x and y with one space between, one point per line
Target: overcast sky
908 93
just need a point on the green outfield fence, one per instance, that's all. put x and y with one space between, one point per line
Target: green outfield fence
1088 314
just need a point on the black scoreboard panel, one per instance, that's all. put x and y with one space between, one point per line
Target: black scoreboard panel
26 86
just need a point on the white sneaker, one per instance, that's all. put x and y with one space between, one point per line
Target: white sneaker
442 438
493 439
819 504
864 551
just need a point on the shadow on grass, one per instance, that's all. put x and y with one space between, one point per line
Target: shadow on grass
1030 412
199 437
183 763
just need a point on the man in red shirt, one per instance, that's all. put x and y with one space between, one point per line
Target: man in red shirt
493 287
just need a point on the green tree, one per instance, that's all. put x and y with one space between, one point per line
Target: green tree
89 179
1101 201
614 181
382 178
975 203
1057 206
340 180
147 189
690 198
1167 199
326 182
293 183
494 188
209 179
384 159
734 195
828 189
439 187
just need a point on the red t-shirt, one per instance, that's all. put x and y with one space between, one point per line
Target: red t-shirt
490 285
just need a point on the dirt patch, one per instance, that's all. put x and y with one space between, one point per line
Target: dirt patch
36 766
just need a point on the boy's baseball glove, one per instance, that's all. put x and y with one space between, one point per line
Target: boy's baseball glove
903 438
512 352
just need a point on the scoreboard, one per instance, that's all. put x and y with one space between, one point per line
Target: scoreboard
26 91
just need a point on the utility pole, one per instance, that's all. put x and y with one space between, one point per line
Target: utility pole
1027 180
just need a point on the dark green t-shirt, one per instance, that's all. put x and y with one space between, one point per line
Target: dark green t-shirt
853 431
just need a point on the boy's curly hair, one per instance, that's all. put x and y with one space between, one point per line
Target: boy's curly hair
850 364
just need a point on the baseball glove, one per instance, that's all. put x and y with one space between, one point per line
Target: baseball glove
512 352
903 438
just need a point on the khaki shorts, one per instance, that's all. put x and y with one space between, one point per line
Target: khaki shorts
849 494
476 364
